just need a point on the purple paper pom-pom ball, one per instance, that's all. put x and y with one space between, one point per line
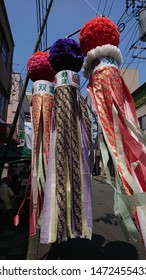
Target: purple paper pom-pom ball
66 54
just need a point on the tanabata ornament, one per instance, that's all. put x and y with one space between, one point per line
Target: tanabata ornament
122 138
42 75
67 209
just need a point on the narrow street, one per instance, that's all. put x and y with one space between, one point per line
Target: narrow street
71 84
108 240
14 240
106 224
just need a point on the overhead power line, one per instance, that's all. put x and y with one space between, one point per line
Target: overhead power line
110 8
93 8
99 5
104 7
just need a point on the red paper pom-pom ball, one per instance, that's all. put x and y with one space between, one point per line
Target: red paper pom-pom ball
39 68
97 32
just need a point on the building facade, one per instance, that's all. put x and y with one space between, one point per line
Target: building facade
16 89
10 83
10 90
130 76
6 57
139 96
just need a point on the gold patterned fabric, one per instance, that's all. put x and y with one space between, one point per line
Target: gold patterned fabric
67 199
105 81
42 104
67 149
116 111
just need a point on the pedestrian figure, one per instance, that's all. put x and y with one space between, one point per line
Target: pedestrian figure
7 199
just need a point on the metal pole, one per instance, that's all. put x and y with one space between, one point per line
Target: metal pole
23 94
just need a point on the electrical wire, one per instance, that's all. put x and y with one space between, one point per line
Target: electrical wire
37 16
42 12
83 84
99 5
129 52
92 7
127 34
39 12
46 26
41 8
122 16
39 21
110 8
124 19
131 62
104 8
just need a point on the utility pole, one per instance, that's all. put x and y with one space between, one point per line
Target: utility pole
23 93
135 4
139 11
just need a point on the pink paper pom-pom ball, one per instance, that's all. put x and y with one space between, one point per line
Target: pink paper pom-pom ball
39 68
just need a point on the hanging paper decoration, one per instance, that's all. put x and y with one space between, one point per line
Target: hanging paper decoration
42 75
122 138
67 201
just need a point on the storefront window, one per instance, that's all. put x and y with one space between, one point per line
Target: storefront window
4 51
3 104
142 122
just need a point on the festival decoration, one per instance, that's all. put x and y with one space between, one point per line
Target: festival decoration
122 138
42 75
67 201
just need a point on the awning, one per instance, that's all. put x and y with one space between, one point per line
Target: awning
15 153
